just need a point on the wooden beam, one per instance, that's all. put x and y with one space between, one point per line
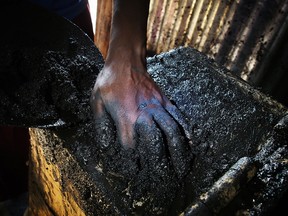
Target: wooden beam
103 25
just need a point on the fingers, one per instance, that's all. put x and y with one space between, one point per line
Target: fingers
154 116
178 147
153 121
151 135
150 145
126 134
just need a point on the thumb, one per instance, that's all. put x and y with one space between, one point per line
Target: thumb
104 126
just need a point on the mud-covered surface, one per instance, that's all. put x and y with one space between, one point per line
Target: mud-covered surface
47 67
47 82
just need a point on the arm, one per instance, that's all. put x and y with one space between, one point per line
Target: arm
124 72
128 32
125 90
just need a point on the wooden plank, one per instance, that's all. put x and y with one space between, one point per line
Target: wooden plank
47 194
103 25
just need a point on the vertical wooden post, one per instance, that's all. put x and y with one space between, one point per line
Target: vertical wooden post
103 25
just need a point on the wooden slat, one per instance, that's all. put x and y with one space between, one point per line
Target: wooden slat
103 25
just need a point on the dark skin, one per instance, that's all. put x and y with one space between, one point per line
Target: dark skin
125 90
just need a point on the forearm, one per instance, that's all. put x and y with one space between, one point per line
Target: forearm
129 25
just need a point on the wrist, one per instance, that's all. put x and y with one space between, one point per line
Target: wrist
127 54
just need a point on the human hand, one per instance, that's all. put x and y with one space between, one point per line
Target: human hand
127 93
